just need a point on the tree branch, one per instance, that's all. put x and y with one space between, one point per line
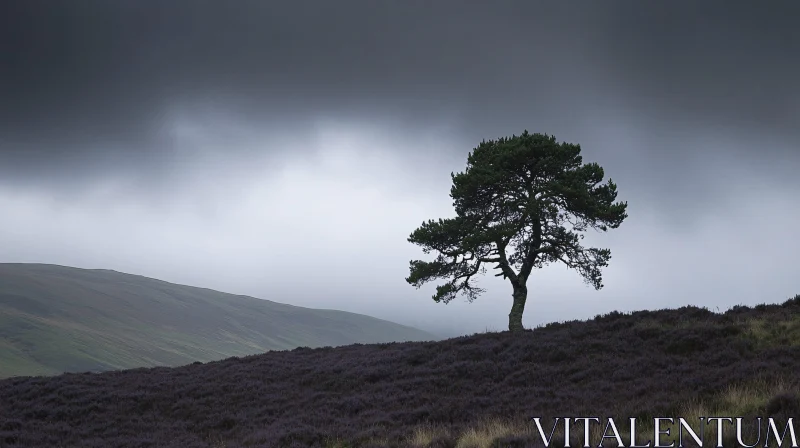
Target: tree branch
503 263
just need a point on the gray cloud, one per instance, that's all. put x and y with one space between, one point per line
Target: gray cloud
172 138
96 87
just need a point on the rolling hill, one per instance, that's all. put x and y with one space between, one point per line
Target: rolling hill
476 391
56 319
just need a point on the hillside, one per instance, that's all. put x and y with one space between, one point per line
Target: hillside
472 391
56 319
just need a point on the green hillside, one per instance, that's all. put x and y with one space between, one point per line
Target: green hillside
56 319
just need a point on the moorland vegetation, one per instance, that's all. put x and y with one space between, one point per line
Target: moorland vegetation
472 391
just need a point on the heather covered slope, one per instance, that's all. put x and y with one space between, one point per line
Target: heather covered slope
56 319
662 363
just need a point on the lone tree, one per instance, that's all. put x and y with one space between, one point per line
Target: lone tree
521 204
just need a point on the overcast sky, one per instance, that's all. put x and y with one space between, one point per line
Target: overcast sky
286 150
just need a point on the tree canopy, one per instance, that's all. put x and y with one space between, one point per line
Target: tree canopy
522 203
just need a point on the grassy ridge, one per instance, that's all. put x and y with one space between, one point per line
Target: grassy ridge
469 392
56 319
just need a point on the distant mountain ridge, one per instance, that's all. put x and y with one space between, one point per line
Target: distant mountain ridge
56 319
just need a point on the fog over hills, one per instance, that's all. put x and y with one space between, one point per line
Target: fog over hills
282 154
56 318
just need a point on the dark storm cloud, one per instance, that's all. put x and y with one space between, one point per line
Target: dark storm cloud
92 86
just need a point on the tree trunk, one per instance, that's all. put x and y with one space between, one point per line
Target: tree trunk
515 316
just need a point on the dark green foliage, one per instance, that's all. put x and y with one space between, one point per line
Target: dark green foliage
522 203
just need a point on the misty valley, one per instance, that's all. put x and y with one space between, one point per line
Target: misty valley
399 224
